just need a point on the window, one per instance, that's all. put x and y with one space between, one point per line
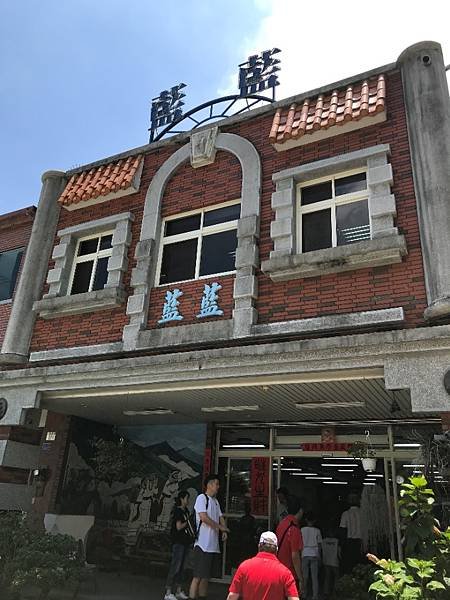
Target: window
90 269
334 212
9 268
199 244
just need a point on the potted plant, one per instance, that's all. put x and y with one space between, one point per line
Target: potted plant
365 453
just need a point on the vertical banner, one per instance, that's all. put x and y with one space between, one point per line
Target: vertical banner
260 485
207 462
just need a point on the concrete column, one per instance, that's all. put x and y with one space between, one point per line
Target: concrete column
21 321
428 116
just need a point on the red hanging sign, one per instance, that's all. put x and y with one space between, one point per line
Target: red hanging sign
259 477
207 459
325 447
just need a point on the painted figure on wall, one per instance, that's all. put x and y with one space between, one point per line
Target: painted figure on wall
168 495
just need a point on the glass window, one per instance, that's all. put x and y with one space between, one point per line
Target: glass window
218 252
334 212
350 184
90 271
316 193
352 222
88 247
9 268
176 226
222 215
199 245
82 277
178 261
316 230
101 273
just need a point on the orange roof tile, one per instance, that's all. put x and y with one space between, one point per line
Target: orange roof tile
340 107
101 181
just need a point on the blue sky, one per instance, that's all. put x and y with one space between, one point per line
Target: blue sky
77 76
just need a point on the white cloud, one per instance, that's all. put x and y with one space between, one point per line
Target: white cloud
326 41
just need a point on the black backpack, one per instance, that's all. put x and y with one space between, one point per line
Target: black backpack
193 519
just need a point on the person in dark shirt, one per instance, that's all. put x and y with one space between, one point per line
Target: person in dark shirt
182 536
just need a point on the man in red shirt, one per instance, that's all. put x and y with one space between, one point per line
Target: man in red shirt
263 577
290 541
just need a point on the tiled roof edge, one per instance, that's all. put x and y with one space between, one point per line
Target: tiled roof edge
229 121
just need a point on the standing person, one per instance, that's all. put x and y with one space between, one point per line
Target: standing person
182 536
210 522
264 577
247 533
330 559
283 496
351 522
290 542
312 540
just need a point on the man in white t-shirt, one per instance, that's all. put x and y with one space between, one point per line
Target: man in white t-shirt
210 522
351 522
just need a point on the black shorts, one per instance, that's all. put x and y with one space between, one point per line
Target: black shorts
206 564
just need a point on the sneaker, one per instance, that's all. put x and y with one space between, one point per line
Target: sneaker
170 596
181 596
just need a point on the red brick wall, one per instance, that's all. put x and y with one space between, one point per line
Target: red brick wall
106 325
15 236
367 289
191 189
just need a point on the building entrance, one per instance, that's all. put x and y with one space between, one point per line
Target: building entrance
254 463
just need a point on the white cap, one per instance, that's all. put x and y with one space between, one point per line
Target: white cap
268 537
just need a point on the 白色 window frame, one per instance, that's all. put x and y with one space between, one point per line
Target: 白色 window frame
88 257
331 204
198 234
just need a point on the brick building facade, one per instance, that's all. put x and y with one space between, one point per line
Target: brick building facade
331 307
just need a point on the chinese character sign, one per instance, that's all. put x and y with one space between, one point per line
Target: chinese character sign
170 309
209 304
260 485
259 73
167 107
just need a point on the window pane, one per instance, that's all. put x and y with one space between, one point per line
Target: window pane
347 185
106 242
218 253
222 215
178 261
101 273
316 230
88 247
352 222
182 225
316 193
9 267
82 277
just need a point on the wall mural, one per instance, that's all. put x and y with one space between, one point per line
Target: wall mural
128 478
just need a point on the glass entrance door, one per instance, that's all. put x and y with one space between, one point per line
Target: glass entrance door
245 501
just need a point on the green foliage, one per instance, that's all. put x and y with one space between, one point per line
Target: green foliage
361 450
416 512
355 585
29 557
426 573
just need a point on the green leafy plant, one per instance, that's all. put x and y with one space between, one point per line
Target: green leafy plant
356 584
35 558
361 450
425 575
417 519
